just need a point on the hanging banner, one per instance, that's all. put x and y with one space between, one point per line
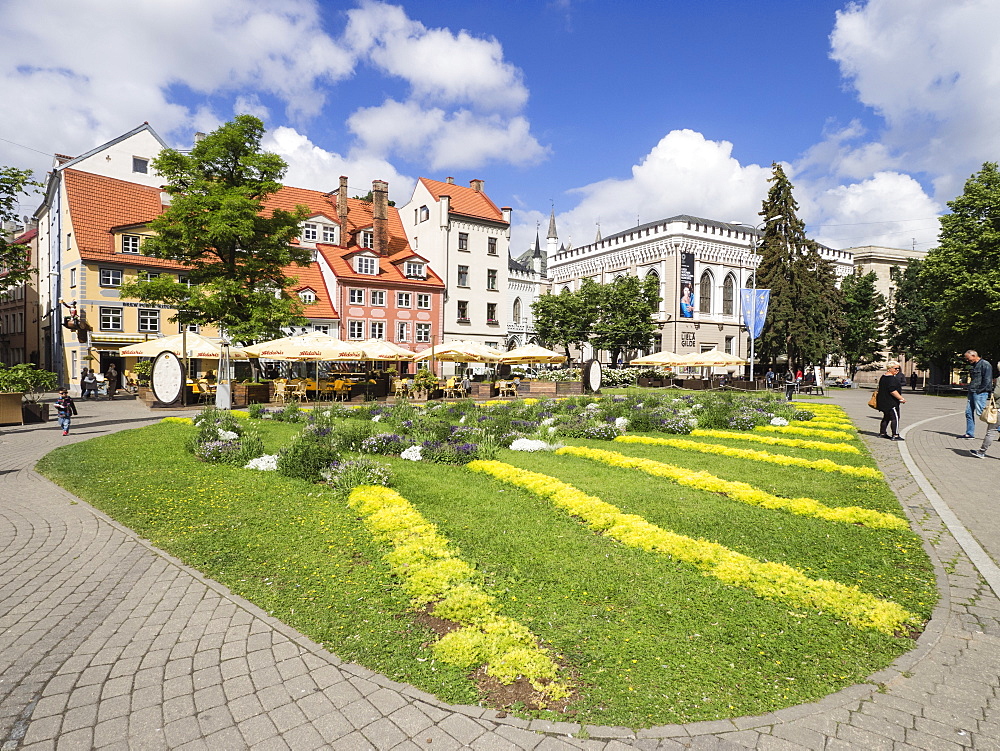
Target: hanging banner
687 284
754 305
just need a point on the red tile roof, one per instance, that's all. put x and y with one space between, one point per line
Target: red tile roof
310 277
465 201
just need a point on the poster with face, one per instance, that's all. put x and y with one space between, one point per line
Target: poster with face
687 284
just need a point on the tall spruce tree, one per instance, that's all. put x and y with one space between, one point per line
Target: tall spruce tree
964 270
216 225
911 318
803 319
864 311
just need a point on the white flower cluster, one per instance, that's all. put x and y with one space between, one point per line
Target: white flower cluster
266 463
377 418
548 421
227 435
621 423
779 421
529 444
593 407
413 453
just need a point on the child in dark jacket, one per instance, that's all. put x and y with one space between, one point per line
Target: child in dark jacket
65 409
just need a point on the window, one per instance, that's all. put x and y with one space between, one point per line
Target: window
310 232
72 277
463 276
402 299
491 278
355 329
402 331
367 239
130 243
517 310
322 328
414 269
111 278
491 245
111 319
356 296
148 276
491 312
728 296
463 240
366 265
377 330
140 165
423 214
149 319
307 296
423 332
329 233
192 328
423 301
463 310
184 280
729 345
378 297
705 293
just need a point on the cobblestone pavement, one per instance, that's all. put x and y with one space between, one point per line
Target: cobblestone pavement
108 643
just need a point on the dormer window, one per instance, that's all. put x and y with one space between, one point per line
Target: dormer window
310 232
328 233
367 239
130 243
366 265
307 296
414 269
317 230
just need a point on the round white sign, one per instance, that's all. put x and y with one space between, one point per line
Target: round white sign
592 375
167 379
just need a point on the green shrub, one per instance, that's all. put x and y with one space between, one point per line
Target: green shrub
307 456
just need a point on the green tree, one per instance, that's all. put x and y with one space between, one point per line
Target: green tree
626 310
216 225
963 272
911 317
14 266
566 319
803 319
863 316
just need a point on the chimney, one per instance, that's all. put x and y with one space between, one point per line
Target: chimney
342 209
198 137
380 220
476 185
450 180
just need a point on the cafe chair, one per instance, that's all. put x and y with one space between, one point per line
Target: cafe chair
508 388
280 392
451 391
299 392
341 390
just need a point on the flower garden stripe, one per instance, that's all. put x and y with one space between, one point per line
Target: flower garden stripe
793 430
432 572
741 491
773 581
824 465
823 422
799 443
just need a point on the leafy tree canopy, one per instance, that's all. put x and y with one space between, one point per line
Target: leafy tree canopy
215 224
626 310
567 318
863 315
14 267
911 318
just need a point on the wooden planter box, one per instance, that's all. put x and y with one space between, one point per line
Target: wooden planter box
252 393
34 412
10 409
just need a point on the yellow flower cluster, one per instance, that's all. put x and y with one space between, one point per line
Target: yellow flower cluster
741 491
824 423
432 572
799 443
183 420
773 581
793 430
824 465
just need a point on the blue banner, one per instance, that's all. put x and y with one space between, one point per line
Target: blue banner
754 305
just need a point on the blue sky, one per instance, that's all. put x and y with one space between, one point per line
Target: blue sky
611 112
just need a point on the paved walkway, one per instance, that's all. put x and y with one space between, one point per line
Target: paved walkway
108 643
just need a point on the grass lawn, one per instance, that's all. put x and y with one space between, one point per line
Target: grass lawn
644 638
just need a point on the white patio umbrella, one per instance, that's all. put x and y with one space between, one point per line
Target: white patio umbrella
531 353
712 358
459 351
197 346
312 346
658 358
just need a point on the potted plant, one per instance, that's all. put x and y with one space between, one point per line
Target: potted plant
30 382
424 381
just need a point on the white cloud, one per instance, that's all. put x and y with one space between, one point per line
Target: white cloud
444 140
932 71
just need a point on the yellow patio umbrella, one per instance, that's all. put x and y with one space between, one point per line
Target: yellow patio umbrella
312 346
459 351
658 358
712 358
198 346
531 353
382 349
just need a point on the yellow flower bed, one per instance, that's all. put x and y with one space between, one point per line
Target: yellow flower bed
824 465
773 581
182 420
793 430
741 491
824 423
799 443
432 572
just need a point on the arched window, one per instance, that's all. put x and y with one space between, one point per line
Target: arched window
728 295
517 310
750 282
705 293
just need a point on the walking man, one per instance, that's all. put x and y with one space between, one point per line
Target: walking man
65 409
112 379
980 386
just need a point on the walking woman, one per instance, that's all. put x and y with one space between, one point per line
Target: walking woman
888 401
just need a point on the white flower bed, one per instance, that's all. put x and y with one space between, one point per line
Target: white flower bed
530 444
266 463
413 453
227 435
779 421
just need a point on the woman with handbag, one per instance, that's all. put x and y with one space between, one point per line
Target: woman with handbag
990 416
887 401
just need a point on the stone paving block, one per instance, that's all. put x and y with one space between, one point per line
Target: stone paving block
76 740
80 717
178 708
801 736
410 720
304 738
522 739
287 717
861 738
226 739
879 726
148 696
214 720
257 729
117 706
463 729
928 742
43 729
